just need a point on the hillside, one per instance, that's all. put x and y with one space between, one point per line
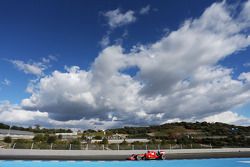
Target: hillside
37 129
217 134
202 133
172 130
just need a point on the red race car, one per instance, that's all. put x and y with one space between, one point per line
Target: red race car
150 155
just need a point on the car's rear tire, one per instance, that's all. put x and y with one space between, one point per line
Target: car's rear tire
139 157
163 156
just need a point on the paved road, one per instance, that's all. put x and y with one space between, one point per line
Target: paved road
118 155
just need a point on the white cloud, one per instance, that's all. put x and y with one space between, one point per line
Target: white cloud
11 113
105 40
52 58
246 64
117 19
245 76
228 117
178 78
6 82
34 68
29 68
15 115
145 10
202 41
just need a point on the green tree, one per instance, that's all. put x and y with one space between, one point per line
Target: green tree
83 137
37 126
39 138
105 141
98 137
51 139
75 142
124 142
60 137
7 139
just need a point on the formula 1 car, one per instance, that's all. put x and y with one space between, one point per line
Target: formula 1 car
150 155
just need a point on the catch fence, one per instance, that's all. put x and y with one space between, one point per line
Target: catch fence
55 146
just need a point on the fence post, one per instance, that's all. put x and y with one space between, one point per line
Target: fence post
118 147
14 146
32 146
103 147
133 147
146 147
211 146
51 146
69 146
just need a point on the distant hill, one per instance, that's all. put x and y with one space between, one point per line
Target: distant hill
173 130
185 133
216 134
37 129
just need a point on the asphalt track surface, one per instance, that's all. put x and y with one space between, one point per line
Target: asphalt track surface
24 154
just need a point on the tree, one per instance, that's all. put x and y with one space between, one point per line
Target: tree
75 142
39 138
105 141
98 137
7 139
124 142
51 139
60 137
37 126
83 137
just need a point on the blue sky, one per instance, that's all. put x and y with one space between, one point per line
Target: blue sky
71 30
78 37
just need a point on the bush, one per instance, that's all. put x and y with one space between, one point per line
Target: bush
7 139
39 138
60 137
98 137
22 141
124 142
51 139
75 142
105 141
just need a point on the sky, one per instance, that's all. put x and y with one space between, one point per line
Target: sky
104 64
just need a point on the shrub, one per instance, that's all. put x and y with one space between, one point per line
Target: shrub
51 139
7 139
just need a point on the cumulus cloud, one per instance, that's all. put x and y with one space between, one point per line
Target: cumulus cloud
245 76
228 117
14 114
178 78
145 10
117 19
11 113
